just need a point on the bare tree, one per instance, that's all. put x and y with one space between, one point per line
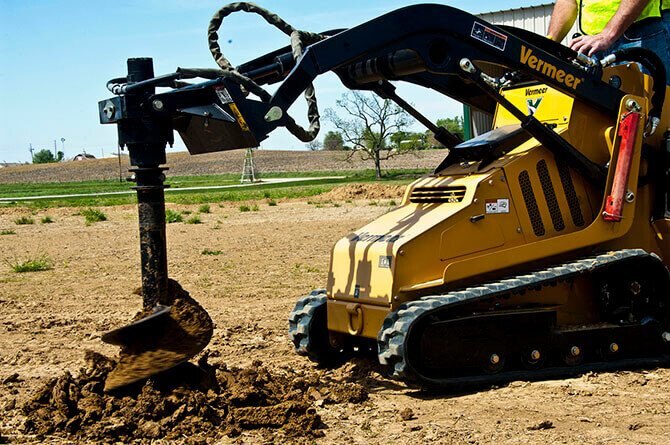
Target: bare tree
314 145
369 123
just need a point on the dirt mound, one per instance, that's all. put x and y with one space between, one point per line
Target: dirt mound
365 191
205 402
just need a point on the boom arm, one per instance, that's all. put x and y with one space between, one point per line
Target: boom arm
426 45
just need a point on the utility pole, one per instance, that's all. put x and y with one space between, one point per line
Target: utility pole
32 156
62 141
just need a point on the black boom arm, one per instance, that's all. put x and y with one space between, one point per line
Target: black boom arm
423 44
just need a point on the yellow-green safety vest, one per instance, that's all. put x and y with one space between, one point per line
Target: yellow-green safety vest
595 14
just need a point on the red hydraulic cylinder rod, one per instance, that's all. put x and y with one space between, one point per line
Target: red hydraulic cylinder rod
628 132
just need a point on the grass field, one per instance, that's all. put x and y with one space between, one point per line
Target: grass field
261 191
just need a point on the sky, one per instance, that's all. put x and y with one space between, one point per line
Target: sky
56 57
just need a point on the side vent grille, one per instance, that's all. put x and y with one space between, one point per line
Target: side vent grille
550 196
437 195
570 194
531 204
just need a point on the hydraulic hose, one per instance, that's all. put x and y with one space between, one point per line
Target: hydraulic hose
656 68
298 39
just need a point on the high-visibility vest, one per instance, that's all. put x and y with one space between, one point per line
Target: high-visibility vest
595 14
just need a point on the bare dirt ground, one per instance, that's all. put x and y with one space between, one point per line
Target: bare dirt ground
183 164
48 320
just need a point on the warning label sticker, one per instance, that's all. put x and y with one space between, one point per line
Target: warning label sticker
494 206
489 36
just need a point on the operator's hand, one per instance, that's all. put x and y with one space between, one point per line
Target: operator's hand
590 45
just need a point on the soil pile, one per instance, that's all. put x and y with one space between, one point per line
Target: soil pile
195 402
365 191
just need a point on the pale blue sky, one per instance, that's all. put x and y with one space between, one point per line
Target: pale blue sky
56 56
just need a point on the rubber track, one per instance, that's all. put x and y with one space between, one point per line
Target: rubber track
300 319
392 336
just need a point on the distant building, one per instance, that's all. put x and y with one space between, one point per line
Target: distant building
83 157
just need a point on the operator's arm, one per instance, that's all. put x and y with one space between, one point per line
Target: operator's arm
562 18
628 11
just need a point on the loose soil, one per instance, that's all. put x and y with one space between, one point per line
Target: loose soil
250 387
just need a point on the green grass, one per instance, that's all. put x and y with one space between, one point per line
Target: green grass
260 192
195 219
7 232
212 252
205 209
24 220
31 265
92 215
47 220
172 216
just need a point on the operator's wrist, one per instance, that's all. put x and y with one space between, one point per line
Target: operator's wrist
610 35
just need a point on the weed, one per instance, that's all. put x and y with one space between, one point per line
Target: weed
212 252
373 203
24 220
348 201
7 232
47 220
272 203
319 206
172 216
186 212
267 195
337 204
392 203
254 208
205 209
93 215
245 208
31 265
195 219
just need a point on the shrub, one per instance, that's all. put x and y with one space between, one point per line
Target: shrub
47 220
173 217
205 209
93 216
31 265
24 220
195 219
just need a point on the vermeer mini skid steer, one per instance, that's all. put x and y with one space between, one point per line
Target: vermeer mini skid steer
537 250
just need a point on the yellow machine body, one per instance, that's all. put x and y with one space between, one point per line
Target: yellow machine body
465 225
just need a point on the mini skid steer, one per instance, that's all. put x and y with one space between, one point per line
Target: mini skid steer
539 249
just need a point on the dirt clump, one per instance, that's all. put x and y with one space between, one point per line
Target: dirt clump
365 191
177 337
203 402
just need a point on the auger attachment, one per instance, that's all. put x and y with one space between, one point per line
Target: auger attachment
172 327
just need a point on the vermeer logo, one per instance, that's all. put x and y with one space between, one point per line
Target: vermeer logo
539 65
533 104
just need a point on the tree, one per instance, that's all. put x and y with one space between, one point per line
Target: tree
333 141
314 145
369 124
408 139
46 157
453 125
